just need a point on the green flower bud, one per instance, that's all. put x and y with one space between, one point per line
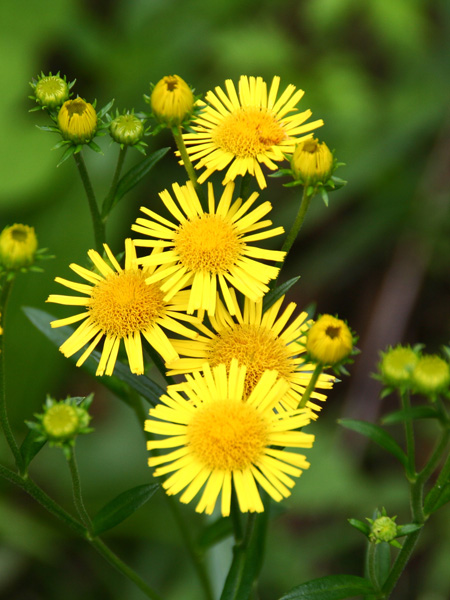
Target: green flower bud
431 375
51 91
126 129
383 529
396 366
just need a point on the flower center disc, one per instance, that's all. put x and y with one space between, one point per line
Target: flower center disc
248 132
123 304
227 435
208 243
258 349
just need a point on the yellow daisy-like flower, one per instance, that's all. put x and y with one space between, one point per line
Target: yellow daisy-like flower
260 341
120 305
243 131
209 249
218 439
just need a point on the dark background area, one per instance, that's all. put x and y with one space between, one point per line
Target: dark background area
377 72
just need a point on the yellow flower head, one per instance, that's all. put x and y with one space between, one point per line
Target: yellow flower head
18 244
329 340
217 439
260 341
243 131
126 129
172 100
77 121
51 91
431 375
312 161
397 364
208 250
120 305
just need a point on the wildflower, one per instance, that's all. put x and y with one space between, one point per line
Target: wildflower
51 91
219 440
242 132
126 129
431 375
312 162
329 340
260 341
77 121
18 245
172 100
120 305
397 364
383 529
62 421
209 249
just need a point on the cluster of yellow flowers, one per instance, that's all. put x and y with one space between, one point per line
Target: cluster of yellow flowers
237 412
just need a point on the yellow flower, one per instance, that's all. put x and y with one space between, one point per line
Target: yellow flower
242 132
51 91
120 305
258 340
18 244
77 121
218 440
329 340
209 249
172 100
312 162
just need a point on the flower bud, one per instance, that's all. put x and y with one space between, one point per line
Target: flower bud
431 375
18 244
126 129
61 421
397 365
77 121
172 100
51 91
383 529
329 340
312 162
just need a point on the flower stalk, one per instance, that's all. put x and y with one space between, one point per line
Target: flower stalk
97 222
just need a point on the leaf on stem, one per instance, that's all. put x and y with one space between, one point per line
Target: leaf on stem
377 435
123 506
271 297
331 587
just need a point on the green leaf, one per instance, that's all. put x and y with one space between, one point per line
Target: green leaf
31 446
142 384
442 499
271 297
247 561
214 533
417 412
360 526
122 507
377 435
382 562
331 587
136 173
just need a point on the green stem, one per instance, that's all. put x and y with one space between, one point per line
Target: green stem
409 435
235 514
371 559
400 563
436 457
4 420
299 219
28 485
99 226
245 186
108 202
311 385
176 132
77 496
116 562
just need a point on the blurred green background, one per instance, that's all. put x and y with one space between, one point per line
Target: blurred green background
377 72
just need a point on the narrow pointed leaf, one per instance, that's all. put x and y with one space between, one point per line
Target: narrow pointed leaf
416 412
442 499
271 297
122 507
377 435
142 384
135 174
331 587
30 446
